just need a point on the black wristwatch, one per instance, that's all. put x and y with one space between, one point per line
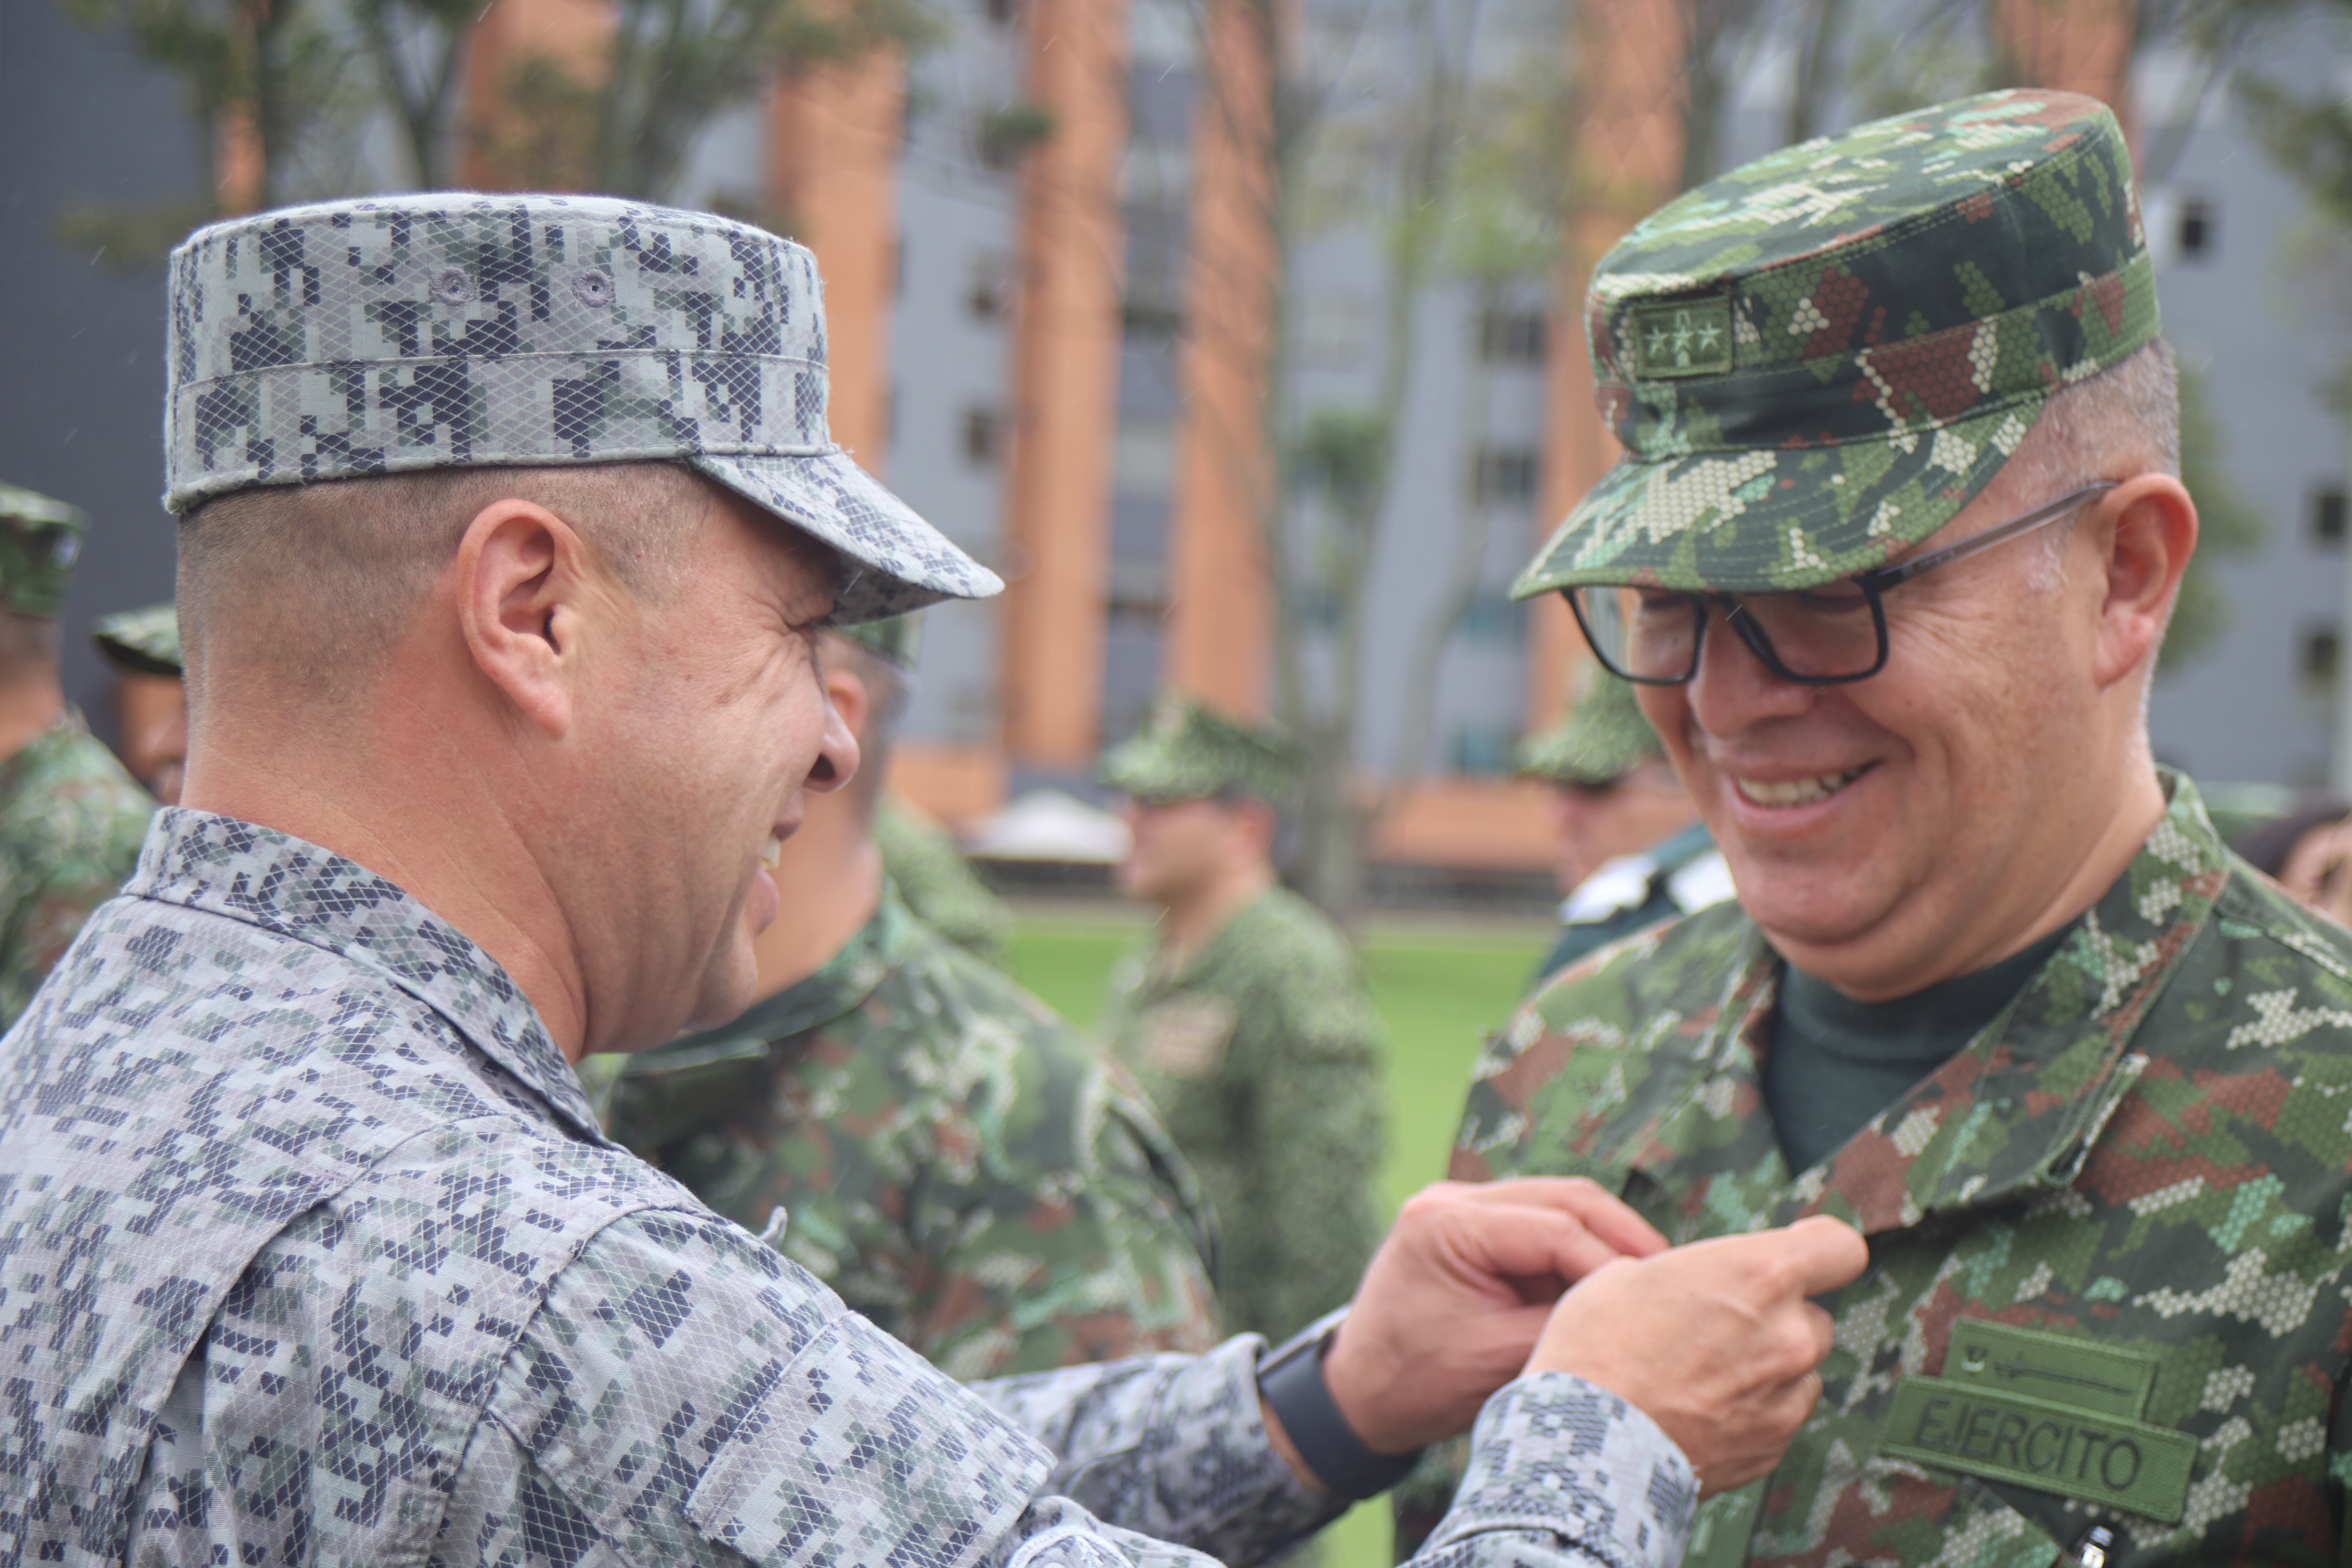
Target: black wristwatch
1290 1379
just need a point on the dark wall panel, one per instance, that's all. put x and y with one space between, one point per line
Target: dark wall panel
84 121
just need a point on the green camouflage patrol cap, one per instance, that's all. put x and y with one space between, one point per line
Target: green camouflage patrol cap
41 539
1604 735
897 640
1816 361
404 333
143 641
1187 750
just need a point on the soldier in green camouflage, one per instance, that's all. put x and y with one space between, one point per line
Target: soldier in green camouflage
1246 1015
1892 548
1632 849
71 818
151 694
911 1127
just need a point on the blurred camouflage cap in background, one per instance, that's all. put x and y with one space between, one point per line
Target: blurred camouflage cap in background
896 640
41 539
144 641
403 333
1187 750
1816 361
1603 736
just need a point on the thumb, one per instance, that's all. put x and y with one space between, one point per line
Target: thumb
1825 1254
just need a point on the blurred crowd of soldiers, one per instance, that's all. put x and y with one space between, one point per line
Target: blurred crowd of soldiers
2069 1064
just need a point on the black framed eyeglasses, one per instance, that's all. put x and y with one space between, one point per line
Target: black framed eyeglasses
1827 635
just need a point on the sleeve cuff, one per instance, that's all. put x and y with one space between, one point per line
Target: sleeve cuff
1555 1455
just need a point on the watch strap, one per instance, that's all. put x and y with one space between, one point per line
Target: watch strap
1290 1380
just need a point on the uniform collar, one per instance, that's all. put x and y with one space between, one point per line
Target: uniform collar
2017 1111
297 890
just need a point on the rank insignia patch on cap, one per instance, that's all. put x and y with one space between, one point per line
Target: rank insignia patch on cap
1683 337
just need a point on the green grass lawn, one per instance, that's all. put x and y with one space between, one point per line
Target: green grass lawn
1440 993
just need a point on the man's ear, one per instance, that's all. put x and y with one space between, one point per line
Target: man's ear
527 587
847 691
2149 530
1256 820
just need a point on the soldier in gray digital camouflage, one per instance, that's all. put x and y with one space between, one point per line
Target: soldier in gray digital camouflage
1892 547
966 1170
509 527
1246 1015
150 699
1632 849
71 818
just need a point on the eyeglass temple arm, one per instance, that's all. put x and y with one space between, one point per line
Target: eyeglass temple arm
2072 502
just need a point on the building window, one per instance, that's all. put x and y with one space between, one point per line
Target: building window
1480 751
983 436
1511 337
2199 229
2323 651
1504 475
2327 517
1491 618
984 295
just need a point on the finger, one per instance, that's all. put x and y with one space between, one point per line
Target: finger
1513 1242
1600 1211
1825 1254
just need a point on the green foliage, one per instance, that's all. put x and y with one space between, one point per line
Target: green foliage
129 239
1011 131
415 49
677 65
2227 528
1344 451
275 59
2311 139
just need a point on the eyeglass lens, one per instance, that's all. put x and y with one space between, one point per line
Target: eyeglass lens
1650 633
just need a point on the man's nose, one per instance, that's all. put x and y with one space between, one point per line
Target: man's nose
1734 688
836 756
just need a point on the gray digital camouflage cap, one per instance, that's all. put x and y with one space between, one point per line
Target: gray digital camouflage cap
1816 361
404 333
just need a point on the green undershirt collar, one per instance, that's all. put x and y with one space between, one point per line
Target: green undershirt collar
1834 1063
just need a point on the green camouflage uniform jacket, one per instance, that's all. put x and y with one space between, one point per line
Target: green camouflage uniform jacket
2108 1274
71 821
1264 1057
964 1168
939 887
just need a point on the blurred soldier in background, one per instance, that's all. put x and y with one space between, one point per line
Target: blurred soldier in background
150 696
1246 1015
938 884
71 818
1632 849
910 1126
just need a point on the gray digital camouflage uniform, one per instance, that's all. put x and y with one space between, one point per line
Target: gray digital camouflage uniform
314 1253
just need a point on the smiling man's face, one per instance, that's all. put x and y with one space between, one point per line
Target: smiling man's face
1902 829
